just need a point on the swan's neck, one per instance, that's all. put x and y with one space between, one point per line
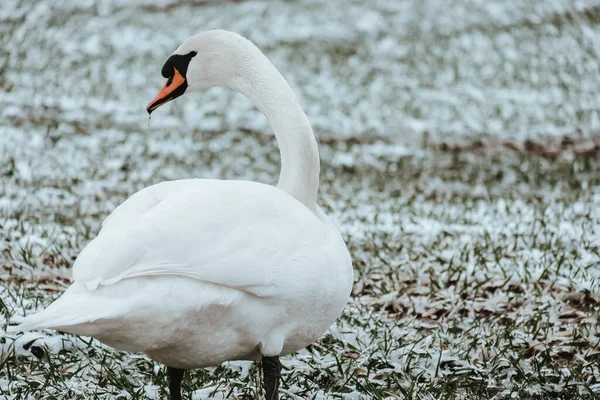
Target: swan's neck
262 83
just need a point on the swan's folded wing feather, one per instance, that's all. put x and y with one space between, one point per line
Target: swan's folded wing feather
145 200
241 235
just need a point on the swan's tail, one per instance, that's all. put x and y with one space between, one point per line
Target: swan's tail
43 320
103 313
72 312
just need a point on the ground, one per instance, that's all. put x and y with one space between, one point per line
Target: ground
460 160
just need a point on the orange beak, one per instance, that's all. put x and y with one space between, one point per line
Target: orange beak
174 88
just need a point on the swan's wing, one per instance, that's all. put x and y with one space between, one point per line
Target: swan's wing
242 235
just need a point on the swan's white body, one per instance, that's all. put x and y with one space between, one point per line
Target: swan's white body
196 272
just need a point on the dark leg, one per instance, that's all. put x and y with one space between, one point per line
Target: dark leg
174 376
271 372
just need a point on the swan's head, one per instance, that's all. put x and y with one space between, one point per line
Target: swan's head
203 61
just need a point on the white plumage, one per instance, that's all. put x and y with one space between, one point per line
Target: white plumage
196 272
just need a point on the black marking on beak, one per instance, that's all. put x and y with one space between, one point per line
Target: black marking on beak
175 70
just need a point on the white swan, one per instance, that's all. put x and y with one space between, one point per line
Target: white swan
195 272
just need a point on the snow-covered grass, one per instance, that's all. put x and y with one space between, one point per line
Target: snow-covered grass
476 253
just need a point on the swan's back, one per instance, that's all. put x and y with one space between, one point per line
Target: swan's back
206 230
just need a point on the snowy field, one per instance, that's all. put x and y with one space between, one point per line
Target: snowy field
460 151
